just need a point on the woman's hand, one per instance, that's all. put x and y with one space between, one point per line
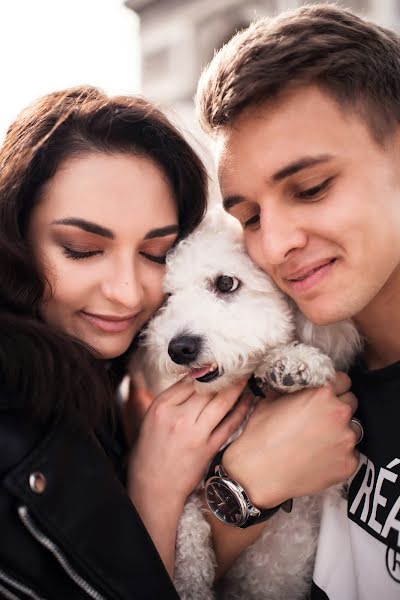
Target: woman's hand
296 445
180 433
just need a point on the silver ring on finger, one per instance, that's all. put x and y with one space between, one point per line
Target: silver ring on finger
359 428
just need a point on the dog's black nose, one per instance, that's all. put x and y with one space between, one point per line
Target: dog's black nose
184 349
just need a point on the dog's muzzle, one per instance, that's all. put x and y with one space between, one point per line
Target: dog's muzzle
184 349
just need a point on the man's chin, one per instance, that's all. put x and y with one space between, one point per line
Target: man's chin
324 314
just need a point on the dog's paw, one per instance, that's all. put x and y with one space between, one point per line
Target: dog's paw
284 375
296 366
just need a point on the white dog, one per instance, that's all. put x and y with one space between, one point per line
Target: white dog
225 319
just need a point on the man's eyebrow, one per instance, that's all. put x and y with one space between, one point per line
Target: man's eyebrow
162 232
231 201
86 226
301 163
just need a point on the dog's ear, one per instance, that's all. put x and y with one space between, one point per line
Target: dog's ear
217 220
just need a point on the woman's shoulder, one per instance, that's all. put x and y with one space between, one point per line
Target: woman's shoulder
18 431
9 401
80 505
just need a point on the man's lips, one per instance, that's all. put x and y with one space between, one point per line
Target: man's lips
308 278
110 323
304 272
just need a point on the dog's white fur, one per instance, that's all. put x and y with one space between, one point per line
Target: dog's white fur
254 329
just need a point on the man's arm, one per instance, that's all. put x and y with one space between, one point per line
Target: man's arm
296 445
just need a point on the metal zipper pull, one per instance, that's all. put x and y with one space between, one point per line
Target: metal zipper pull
16 585
55 550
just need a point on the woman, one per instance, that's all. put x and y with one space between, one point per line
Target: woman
93 193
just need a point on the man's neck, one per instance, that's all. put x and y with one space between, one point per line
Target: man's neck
379 323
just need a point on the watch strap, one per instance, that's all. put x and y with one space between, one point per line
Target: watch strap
216 469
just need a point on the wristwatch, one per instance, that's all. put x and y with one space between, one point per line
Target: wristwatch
229 502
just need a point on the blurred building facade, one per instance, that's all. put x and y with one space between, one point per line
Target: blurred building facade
179 37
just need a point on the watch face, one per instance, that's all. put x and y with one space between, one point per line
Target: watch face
224 503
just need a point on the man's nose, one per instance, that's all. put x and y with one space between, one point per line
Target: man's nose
281 234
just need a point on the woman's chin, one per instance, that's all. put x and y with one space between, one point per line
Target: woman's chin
108 351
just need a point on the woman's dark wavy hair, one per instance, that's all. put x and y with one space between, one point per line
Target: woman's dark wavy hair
45 367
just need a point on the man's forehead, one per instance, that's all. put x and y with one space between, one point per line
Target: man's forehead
231 138
225 169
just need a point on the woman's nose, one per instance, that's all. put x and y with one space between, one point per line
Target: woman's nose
123 286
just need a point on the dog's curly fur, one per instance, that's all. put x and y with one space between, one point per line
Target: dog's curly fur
252 329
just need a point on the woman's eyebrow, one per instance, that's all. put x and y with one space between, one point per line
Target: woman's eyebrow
86 226
161 232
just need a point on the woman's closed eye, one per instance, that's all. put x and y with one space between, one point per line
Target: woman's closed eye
81 254
76 254
161 259
156 250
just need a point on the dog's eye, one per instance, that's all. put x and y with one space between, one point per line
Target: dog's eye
226 284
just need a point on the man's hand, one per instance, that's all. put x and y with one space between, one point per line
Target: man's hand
296 445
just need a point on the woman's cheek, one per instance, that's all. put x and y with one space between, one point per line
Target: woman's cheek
156 291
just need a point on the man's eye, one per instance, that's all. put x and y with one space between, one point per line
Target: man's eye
78 254
252 222
157 259
314 191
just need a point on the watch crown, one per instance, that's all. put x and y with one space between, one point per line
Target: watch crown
254 512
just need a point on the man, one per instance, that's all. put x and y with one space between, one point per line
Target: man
305 110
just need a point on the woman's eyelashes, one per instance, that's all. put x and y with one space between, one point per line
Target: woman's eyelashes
152 257
156 250
79 254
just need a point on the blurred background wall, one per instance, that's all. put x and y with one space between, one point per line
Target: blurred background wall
155 47
179 37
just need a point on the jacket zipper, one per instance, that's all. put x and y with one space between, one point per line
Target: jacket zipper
17 586
54 549
7 594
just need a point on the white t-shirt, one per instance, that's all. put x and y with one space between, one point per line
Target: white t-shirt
358 556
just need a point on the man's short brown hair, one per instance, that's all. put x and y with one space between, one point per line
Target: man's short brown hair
355 61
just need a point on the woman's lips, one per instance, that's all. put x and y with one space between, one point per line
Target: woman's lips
311 278
108 323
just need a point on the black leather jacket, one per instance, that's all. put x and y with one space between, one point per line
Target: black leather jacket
68 530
